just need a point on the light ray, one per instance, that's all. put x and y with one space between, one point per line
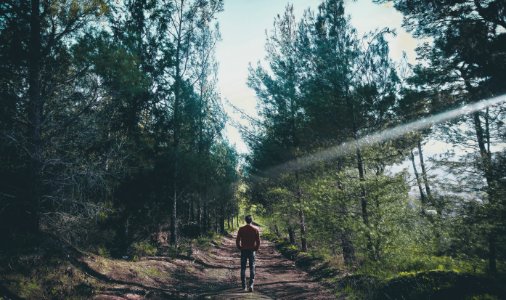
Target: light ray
385 135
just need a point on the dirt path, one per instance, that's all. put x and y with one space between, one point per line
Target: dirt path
212 274
276 277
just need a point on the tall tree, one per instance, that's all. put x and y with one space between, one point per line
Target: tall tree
279 93
184 23
355 78
46 29
467 59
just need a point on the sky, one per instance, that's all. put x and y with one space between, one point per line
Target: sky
243 25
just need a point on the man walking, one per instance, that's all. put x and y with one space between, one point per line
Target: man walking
248 241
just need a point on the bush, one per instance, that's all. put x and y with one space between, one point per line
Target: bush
30 288
103 251
205 241
143 248
441 285
359 286
287 249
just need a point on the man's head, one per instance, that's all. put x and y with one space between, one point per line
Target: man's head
248 219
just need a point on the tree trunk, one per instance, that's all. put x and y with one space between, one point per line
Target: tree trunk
361 173
484 153
345 236
199 214
276 230
173 218
302 218
487 130
204 227
177 100
363 202
348 249
487 168
424 172
36 106
492 235
303 240
492 256
482 138
418 181
222 220
191 210
291 234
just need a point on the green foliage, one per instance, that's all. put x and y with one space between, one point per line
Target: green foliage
142 248
153 272
111 115
320 85
45 274
113 100
103 251
440 285
30 289
207 240
358 286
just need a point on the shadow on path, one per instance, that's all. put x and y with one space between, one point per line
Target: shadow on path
210 274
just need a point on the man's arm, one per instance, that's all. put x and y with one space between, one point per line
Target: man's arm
238 239
257 241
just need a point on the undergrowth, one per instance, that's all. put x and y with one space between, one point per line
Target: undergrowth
420 277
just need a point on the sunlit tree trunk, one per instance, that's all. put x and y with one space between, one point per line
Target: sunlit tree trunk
361 174
487 168
364 202
483 140
418 181
424 172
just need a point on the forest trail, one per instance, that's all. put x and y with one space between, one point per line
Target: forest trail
276 277
214 274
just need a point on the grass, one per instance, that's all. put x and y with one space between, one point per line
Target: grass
48 279
205 242
152 272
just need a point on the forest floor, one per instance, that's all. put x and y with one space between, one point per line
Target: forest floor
213 273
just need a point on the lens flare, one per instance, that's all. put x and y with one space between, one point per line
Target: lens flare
385 135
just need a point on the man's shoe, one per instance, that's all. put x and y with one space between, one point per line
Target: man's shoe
250 289
245 289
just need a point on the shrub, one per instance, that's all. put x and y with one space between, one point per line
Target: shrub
440 285
30 289
103 251
143 248
359 286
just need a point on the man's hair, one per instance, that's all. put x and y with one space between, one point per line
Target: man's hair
248 219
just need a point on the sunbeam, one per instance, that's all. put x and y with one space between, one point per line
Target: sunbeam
384 135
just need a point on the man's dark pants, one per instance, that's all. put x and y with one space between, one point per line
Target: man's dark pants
247 255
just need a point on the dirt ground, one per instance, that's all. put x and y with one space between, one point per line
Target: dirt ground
212 274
